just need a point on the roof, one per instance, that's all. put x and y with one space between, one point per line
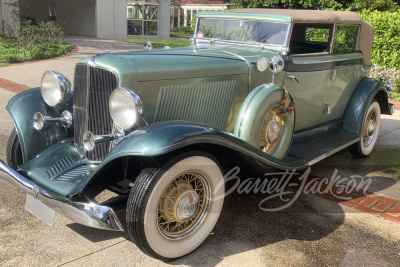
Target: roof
320 16
306 15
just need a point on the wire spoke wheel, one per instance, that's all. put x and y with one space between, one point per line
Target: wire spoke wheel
183 205
369 132
271 132
172 209
369 128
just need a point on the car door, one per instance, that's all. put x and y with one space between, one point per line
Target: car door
348 69
308 73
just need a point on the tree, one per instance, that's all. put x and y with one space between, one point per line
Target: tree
352 5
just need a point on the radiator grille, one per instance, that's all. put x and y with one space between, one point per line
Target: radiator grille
208 103
91 107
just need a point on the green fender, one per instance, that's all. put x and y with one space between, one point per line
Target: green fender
365 92
253 111
21 108
161 138
155 140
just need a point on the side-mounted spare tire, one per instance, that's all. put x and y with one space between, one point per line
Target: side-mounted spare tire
266 120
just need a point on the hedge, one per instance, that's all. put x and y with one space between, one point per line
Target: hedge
386 46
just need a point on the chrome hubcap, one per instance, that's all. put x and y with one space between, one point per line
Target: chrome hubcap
184 205
273 131
187 206
369 128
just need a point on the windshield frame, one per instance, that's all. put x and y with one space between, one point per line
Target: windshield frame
284 47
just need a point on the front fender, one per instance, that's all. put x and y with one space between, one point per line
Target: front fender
21 108
365 92
162 138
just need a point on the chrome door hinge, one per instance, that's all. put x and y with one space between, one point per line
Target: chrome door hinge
328 109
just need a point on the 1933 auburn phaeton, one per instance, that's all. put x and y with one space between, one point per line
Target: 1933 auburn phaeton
285 88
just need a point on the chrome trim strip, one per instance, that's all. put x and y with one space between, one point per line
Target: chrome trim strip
92 60
89 214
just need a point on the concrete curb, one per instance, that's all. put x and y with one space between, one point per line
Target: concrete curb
12 86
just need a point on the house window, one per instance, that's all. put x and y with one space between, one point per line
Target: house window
143 17
346 38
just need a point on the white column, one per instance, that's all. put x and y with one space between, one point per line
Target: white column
191 17
179 16
172 16
184 16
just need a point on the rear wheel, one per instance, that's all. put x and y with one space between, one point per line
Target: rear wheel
14 152
172 210
369 133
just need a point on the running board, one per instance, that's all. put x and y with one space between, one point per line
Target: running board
313 151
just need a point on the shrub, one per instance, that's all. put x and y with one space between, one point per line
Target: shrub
386 46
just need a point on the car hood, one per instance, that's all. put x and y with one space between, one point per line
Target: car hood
167 64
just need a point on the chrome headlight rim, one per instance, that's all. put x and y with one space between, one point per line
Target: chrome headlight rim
136 107
64 89
276 64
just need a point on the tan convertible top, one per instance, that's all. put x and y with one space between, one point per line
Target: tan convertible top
324 17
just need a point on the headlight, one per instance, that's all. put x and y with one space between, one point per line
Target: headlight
276 64
125 108
56 88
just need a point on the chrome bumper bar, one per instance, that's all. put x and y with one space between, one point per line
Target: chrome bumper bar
88 214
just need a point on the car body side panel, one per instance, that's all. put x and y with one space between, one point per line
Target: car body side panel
309 88
348 72
22 107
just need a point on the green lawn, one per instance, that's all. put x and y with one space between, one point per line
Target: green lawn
161 43
11 51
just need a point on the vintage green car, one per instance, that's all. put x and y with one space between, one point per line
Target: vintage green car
158 129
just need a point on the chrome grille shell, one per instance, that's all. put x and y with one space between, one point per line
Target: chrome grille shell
92 89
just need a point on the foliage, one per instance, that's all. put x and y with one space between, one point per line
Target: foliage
386 46
161 43
395 95
317 35
352 5
182 32
12 51
391 75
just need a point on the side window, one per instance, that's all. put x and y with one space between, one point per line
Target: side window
346 38
310 38
319 35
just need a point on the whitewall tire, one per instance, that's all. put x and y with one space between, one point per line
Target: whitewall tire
172 210
370 131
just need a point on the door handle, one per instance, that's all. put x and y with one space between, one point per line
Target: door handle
293 78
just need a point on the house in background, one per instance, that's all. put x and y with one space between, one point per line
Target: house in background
183 11
115 19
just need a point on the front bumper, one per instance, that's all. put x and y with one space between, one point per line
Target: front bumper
88 214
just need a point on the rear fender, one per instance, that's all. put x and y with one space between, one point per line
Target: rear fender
366 91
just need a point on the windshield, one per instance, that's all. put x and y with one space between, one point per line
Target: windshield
266 32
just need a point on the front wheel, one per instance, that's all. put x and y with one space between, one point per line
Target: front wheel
369 132
172 210
14 152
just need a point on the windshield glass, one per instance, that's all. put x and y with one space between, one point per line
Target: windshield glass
266 32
